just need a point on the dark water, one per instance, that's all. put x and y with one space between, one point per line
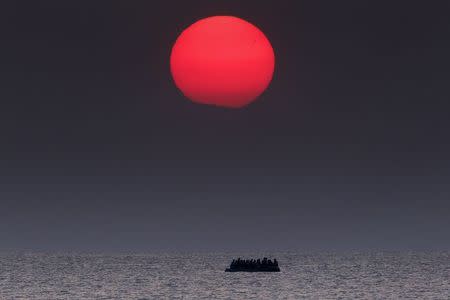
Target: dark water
310 276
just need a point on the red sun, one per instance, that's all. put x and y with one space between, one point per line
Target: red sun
222 61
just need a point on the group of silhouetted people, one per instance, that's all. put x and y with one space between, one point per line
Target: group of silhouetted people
253 263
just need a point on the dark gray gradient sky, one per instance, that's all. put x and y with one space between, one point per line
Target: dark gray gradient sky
348 149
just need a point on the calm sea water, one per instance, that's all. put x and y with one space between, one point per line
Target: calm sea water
202 276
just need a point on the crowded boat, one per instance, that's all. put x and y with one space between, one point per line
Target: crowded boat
253 265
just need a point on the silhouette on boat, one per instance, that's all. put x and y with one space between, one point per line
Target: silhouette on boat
253 265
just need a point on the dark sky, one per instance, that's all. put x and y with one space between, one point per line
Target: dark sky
348 148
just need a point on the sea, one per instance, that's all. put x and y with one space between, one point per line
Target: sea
355 275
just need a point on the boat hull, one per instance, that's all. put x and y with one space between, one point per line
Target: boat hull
271 270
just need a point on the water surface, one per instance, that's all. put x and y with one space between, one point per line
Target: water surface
201 276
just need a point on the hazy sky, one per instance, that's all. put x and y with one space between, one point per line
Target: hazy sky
348 148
